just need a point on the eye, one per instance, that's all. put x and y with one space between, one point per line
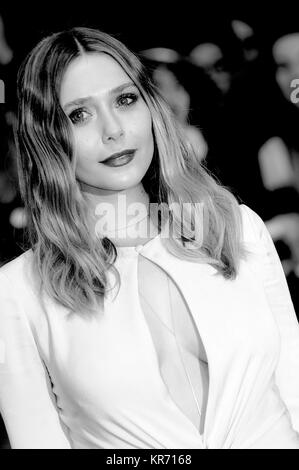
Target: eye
79 116
127 99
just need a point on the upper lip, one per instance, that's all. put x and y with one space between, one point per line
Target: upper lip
119 154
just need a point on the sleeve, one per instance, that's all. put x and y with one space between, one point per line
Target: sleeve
279 300
27 403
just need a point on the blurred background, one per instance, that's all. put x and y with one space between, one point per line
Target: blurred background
230 75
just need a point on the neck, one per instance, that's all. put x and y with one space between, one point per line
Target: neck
122 216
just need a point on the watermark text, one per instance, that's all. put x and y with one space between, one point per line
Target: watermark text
294 97
137 220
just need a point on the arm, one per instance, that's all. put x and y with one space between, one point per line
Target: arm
27 403
279 300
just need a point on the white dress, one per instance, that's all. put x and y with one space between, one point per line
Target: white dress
75 381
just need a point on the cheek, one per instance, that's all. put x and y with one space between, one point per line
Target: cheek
85 156
85 146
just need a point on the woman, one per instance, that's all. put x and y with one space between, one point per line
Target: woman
168 333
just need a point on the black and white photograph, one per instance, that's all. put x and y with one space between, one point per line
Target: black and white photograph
149 228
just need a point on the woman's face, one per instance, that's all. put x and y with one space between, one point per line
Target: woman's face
108 117
286 56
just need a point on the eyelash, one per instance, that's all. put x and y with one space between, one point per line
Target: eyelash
131 96
124 96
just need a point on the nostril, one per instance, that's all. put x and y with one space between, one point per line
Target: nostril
112 135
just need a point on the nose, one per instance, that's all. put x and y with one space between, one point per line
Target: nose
112 128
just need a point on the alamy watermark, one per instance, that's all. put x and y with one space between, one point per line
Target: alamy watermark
135 220
2 92
294 97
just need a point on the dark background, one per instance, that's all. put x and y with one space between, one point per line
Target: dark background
142 25
180 25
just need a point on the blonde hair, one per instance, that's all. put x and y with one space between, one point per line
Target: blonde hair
72 264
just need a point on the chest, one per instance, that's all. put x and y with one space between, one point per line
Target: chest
121 357
166 311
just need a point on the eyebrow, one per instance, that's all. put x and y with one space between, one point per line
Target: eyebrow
86 99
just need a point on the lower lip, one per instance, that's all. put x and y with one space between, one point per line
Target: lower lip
120 161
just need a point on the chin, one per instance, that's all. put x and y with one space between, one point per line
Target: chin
121 186
125 181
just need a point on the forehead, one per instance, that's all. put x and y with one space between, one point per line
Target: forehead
286 48
91 74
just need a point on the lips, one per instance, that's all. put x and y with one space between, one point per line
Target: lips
120 158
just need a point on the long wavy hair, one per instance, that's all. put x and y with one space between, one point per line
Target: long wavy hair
72 263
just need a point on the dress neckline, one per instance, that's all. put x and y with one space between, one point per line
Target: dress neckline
136 248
